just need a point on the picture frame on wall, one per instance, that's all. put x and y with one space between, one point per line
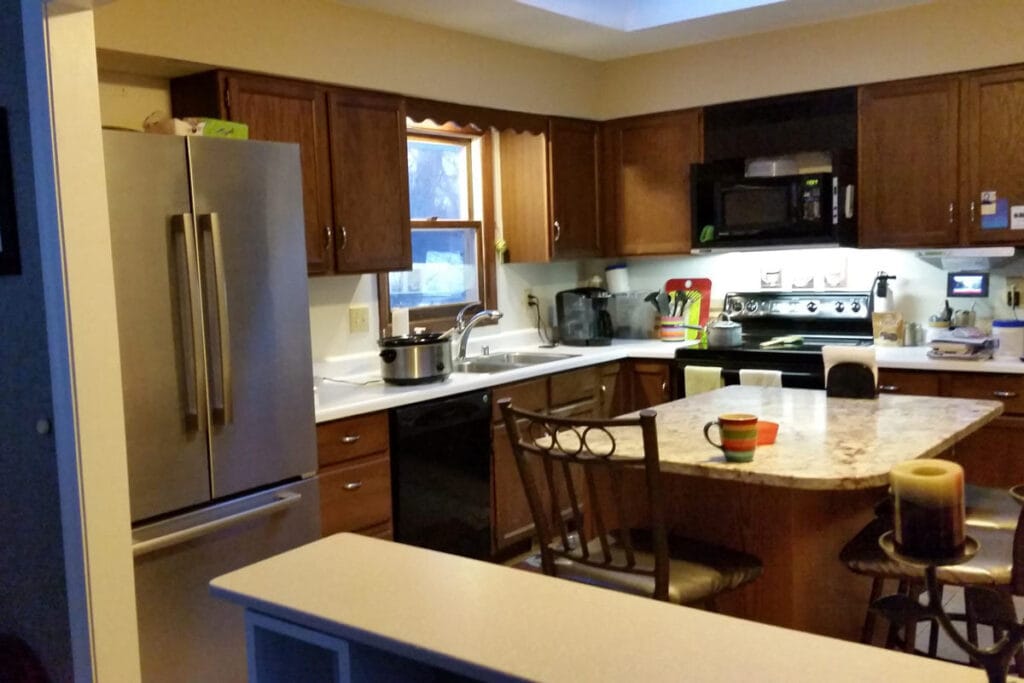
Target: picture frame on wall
10 261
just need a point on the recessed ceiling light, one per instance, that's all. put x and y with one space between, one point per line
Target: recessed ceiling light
637 15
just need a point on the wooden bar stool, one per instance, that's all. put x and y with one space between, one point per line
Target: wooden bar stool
570 468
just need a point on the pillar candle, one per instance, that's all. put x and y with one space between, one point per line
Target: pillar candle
929 497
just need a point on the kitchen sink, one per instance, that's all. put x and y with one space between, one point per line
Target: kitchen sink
497 362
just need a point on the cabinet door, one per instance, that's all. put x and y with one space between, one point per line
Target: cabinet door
650 168
993 149
292 111
573 174
908 133
652 384
512 519
371 182
991 456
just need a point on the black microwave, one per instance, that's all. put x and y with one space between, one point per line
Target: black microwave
734 211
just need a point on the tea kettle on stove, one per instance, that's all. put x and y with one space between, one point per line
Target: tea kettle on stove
723 333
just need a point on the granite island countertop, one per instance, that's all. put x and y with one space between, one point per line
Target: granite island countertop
823 443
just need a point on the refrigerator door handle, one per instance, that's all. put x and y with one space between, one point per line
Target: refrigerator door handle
223 411
190 307
282 500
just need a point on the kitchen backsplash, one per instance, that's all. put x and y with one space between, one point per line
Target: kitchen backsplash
920 288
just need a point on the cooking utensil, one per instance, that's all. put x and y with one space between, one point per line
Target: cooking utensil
723 333
788 340
415 358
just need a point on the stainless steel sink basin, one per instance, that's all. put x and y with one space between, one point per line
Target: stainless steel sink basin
498 362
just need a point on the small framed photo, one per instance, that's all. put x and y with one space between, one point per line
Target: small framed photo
10 261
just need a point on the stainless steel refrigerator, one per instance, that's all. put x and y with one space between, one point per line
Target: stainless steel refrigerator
213 321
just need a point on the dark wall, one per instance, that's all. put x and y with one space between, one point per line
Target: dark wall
33 594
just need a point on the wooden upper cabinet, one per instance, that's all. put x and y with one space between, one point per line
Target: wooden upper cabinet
292 111
907 152
371 182
647 182
993 149
549 192
355 189
574 212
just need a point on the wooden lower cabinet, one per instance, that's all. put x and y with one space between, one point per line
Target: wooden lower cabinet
991 456
355 475
576 393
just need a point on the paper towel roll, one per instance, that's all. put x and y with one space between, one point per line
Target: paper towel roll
399 322
865 355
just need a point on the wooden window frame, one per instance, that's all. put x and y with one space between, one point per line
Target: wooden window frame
440 318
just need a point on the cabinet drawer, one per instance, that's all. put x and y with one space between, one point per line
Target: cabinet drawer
355 496
573 386
531 396
1006 388
352 437
908 382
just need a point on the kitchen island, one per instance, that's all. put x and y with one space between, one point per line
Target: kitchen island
350 608
805 496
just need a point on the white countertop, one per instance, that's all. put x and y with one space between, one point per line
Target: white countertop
362 391
490 621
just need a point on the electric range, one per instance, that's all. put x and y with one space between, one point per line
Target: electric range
817 318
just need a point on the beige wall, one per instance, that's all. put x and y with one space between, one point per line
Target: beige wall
127 99
322 40
940 37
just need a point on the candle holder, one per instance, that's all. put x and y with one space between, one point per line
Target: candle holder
994 659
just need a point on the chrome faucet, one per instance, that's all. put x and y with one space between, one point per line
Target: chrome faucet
463 328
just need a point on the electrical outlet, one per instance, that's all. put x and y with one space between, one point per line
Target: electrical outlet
359 319
527 293
1013 289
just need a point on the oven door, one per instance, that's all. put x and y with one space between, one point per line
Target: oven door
806 374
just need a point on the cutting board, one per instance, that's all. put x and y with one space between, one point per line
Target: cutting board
701 285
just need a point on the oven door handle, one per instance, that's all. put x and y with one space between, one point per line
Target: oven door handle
732 375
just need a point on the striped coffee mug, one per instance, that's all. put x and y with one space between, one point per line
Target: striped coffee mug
738 432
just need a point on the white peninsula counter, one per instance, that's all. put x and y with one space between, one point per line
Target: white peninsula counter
351 608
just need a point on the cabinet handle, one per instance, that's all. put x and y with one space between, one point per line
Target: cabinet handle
349 438
972 212
558 231
889 388
664 388
604 390
353 486
328 236
1004 394
344 238
951 213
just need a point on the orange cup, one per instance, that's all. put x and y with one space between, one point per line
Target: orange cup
738 432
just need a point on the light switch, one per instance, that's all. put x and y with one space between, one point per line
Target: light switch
359 319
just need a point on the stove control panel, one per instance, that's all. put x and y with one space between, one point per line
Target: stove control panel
796 305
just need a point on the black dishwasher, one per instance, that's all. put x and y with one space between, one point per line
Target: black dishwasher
441 474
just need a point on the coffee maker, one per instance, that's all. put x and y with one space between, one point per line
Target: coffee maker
583 318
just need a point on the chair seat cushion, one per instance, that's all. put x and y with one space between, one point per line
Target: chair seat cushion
992 565
697 570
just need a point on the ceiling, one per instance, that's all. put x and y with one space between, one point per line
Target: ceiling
515 22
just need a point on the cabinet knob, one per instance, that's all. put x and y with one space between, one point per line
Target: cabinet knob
558 231
349 439
889 388
353 486
1004 394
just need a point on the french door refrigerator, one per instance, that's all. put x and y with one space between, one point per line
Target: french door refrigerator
213 321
